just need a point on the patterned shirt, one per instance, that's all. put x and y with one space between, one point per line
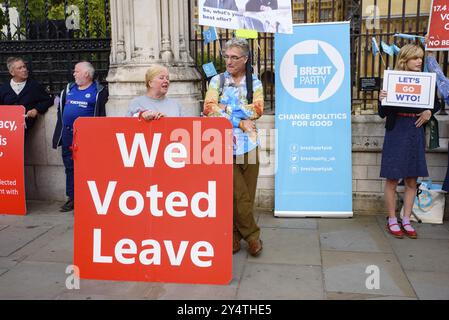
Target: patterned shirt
442 82
232 104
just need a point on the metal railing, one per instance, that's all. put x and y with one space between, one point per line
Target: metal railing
398 16
52 36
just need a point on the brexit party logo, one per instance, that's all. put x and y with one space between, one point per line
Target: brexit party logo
312 71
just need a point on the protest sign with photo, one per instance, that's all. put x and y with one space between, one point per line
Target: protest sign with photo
409 89
274 16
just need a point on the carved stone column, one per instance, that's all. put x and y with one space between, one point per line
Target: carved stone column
146 32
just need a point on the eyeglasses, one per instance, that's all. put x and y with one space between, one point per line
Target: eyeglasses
233 58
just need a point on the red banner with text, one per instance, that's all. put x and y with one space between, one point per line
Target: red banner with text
153 200
438 32
12 181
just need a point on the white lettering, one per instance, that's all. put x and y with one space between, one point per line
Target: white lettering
102 207
170 203
129 158
170 155
175 259
123 205
195 254
201 252
155 252
210 197
120 251
98 258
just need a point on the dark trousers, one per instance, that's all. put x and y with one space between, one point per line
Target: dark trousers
67 138
246 171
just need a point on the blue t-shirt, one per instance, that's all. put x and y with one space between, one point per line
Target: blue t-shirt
79 103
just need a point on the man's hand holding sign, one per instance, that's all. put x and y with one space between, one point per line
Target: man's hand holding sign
155 199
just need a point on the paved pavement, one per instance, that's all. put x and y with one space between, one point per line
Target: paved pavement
302 259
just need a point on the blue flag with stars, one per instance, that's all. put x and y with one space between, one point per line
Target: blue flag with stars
395 48
374 46
210 35
209 69
386 48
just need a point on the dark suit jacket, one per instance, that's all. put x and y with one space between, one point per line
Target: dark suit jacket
33 96
222 4
254 5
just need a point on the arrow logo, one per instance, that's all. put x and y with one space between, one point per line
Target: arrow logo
314 70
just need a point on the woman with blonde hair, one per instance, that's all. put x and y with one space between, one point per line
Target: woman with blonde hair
154 104
403 153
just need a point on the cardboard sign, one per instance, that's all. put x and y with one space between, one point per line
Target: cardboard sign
438 26
409 89
153 199
12 182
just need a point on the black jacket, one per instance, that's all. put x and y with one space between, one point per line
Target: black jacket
32 96
390 112
100 109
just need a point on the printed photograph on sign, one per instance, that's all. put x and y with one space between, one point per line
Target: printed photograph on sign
274 16
409 89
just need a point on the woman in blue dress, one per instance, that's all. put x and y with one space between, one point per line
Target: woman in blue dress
403 153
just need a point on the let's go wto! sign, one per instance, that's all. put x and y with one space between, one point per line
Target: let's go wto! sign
409 89
153 200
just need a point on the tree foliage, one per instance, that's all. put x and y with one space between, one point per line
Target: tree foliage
90 14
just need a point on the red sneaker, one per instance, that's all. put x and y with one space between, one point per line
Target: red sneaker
397 234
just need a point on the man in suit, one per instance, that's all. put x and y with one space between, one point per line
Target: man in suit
221 4
23 91
261 5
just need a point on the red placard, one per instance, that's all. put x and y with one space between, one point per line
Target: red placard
438 32
153 200
12 181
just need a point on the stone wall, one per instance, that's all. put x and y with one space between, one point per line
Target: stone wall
45 178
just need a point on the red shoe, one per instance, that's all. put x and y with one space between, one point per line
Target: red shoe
397 234
410 234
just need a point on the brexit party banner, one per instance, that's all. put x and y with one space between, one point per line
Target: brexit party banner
409 89
12 181
274 16
438 31
153 199
313 122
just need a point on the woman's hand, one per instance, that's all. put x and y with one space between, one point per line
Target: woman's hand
423 118
382 95
152 115
247 125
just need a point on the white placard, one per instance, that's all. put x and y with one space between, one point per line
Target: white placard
274 16
409 89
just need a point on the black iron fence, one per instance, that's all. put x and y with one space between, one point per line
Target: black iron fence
381 19
52 35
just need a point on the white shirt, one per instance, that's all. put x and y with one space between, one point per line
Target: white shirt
17 86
